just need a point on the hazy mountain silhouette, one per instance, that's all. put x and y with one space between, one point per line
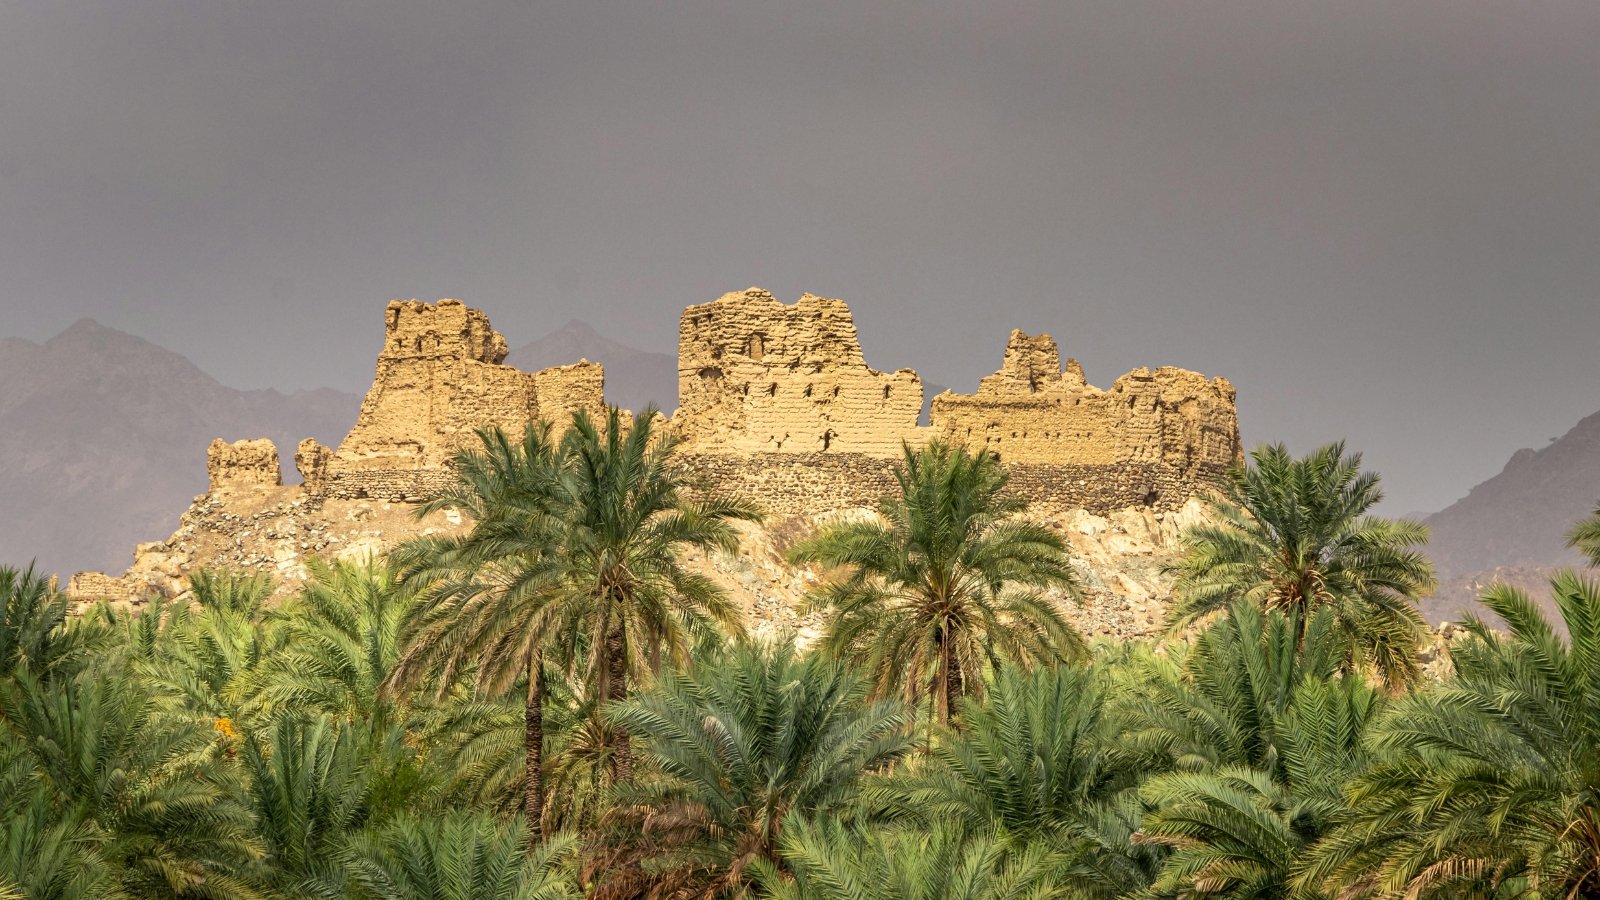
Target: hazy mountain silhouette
103 439
1513 527
634 378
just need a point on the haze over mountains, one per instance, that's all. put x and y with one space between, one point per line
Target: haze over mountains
103 437
1513 527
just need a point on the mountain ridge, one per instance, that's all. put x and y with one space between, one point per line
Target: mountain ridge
99 431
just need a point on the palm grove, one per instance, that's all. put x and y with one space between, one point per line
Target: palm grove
553 704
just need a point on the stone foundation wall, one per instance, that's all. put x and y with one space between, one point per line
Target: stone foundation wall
798 484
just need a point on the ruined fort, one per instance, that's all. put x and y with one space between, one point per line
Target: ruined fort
776 403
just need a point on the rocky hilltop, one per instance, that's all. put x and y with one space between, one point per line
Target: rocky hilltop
777 403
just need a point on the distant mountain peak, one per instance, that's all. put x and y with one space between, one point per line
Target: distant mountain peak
634 378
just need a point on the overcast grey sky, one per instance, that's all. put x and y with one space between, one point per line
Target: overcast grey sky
1381 220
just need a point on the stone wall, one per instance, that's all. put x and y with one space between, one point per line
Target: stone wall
92 586
803 484
243 464
564 390
439 379
1031 411
756 375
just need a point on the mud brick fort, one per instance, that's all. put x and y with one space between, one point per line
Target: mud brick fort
776 402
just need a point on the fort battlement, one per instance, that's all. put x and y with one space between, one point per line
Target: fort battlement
777 401
756 376
439 379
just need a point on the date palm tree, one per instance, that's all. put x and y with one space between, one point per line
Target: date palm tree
337 642
1251 733
1488 785
35 629
1585 537
946 581
628 516
486 599
1039 760
1295 536
741 742
308 790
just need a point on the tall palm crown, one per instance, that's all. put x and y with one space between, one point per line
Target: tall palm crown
1585 537
946 582
741 742
627 517
1295 535
1488 785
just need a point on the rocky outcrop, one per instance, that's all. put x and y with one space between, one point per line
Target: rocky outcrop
243 464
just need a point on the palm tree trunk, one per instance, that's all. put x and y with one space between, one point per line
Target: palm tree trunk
533 747
952 680
617 692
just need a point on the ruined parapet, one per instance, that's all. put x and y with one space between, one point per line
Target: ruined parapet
565 390
1033 412
756 375
439 379
243 464
92 587
311 460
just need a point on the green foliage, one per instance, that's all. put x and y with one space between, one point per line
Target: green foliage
948 581
741 742
461 856
337 643
1259 731
1295 536
165 809
1585 537
386 731
1488 785
829 861
35 632
308 790
1040 761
